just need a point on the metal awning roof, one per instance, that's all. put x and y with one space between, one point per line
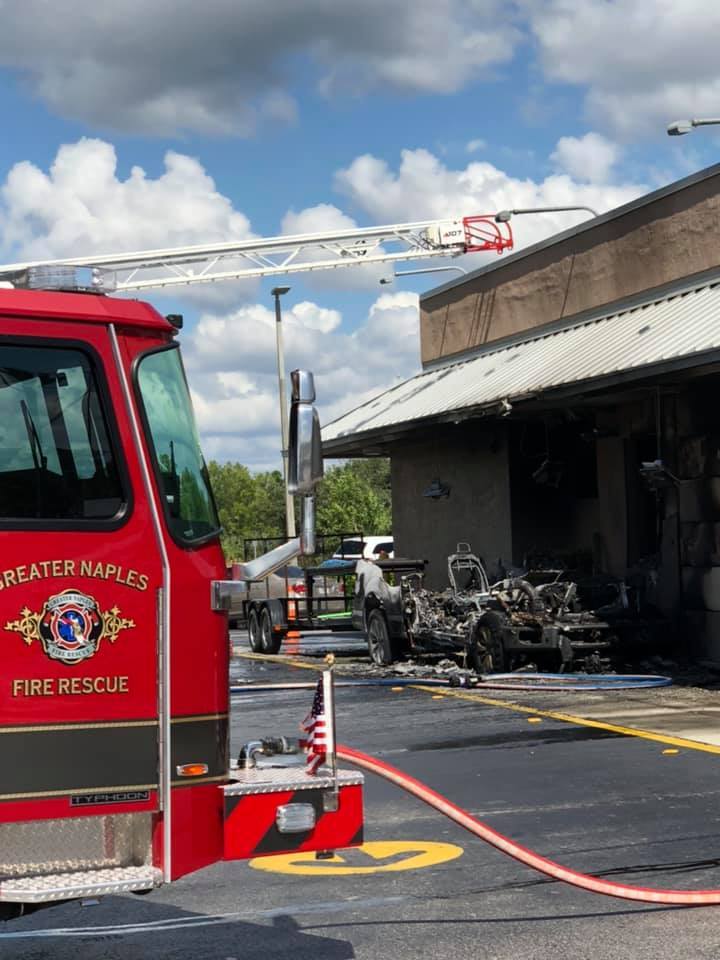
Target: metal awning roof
681 329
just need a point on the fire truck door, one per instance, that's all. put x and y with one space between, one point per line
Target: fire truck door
80 575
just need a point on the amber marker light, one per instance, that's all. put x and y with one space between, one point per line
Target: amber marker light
192 769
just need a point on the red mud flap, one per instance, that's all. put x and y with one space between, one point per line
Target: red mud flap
284 810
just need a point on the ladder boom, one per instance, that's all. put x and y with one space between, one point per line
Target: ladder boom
207 263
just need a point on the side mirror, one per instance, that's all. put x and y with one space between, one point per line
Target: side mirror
305 465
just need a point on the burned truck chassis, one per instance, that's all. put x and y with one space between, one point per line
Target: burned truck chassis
503 626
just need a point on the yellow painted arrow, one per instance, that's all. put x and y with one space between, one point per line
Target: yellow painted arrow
410 854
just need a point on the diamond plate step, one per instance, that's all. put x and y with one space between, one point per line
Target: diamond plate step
85 883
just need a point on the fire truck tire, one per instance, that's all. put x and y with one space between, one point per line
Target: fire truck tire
254 630
380 646
269 640
486 650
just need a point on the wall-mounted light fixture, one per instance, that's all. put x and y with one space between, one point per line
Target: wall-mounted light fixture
549 473
437 491
657 476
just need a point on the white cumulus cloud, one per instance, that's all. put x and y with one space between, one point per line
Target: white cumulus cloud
223 67
174 67
423 187
81 206
589 158
231 366
642 63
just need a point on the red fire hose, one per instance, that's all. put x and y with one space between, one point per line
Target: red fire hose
687 898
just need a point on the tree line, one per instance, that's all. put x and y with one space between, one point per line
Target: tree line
352 497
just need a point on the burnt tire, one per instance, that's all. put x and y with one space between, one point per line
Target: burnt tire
253 629
380 646
269 640
486 650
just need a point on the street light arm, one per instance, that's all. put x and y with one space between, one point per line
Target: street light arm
552 210
408 273
680 127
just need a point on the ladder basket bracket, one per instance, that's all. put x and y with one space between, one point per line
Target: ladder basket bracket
483 233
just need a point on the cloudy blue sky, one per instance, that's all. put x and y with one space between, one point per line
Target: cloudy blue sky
135 124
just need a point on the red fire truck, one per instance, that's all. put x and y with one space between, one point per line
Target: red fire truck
114 767
114 706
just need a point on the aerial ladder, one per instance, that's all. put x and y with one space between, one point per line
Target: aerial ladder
272 256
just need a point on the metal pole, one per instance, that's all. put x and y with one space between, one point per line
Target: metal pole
331 800
284 429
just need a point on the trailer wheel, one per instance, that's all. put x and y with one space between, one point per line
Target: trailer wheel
254 631
269 641
378 637
486 650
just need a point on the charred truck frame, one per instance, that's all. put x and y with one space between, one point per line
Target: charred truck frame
493 627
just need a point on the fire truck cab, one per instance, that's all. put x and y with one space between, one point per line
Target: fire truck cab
114 702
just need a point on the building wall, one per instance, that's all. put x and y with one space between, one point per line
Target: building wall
554 513
668 239
698 468
470 458
554 525
503 519
612 506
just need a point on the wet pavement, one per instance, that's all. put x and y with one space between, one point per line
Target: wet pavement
614 805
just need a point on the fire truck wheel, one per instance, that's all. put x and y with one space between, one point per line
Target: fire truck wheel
378 636
254 631
486 650
269 641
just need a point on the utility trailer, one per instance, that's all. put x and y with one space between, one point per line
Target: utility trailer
270 619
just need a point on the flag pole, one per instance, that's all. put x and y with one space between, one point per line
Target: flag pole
332 797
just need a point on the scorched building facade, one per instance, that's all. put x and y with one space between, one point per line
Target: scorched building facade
567 410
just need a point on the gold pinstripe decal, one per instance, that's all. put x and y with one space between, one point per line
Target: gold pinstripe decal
76 792
46 728
80 726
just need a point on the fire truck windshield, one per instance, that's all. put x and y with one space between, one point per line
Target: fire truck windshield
189 506
56 460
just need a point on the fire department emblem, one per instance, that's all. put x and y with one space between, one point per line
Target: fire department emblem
70 626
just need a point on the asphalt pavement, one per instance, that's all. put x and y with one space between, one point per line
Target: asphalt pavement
618 806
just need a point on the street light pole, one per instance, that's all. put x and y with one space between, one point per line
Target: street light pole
278 292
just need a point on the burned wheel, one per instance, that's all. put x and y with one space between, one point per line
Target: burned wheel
486 650
269 641
253 629
378 636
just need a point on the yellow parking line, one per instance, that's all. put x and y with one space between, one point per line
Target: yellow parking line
278 658
519 708
581 721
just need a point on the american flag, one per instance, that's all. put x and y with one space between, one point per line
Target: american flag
316 726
